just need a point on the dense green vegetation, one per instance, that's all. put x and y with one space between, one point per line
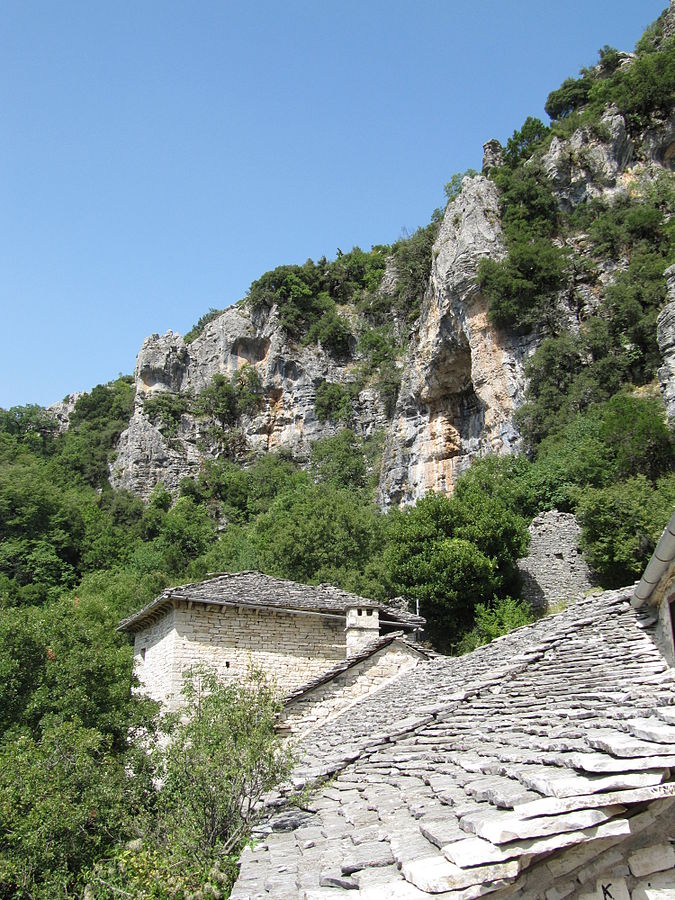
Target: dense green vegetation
79 803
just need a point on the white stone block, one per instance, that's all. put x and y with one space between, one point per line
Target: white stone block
435 874
559 893
611 886
509 827
652 859
646 891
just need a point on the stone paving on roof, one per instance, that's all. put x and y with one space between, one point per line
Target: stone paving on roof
256 589
464 773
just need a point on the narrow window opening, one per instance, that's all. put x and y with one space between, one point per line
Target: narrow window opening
360 612
369 612
227 664
143 653
671 610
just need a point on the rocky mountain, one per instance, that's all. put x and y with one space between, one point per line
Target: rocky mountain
462 378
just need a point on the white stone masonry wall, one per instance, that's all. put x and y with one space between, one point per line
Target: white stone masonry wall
291 649
328 700
153 658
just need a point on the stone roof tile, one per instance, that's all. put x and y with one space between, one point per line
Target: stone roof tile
253 589
469 771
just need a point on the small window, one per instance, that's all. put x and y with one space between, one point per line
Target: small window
360 612
143 653
369 612
671 610
227 664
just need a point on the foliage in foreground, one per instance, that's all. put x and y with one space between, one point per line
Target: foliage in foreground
222 757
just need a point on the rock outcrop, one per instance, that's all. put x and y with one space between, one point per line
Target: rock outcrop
584 167
289 376
665 334
62 410
461 378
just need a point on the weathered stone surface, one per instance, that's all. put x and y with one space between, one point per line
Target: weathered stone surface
367 856
554 568
501 828
462 380
476 851
665 335
479 728
652 859
652 730
289 374
62 410
436 874
551 806
624 745
561 783
583 167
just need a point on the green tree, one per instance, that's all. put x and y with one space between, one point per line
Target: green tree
339 460
494 620
332 402
522 144
318 533
218 401
621 524
223 756
248 390
64 800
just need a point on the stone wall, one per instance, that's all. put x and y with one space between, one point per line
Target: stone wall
153 658
639 866
323 702
554 569
291 649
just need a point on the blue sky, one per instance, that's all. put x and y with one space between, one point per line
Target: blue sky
157 156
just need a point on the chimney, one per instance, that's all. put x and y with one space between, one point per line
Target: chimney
362 626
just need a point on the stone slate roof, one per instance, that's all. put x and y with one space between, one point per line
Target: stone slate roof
252 589
370 649
463 774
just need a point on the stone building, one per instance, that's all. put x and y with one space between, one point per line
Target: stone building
294 632
537 767
554 571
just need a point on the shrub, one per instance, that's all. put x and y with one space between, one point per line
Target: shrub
412 260
331 332
642 90
332 402
572 94
248 390
166 409
454 187
339 460
204 320
522 288
494 620
223 756
219 401
621 524
522 144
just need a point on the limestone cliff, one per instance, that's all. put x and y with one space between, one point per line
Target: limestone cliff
289 375
461 378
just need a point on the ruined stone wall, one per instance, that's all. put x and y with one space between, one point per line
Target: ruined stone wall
327 700
554 569
290 649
